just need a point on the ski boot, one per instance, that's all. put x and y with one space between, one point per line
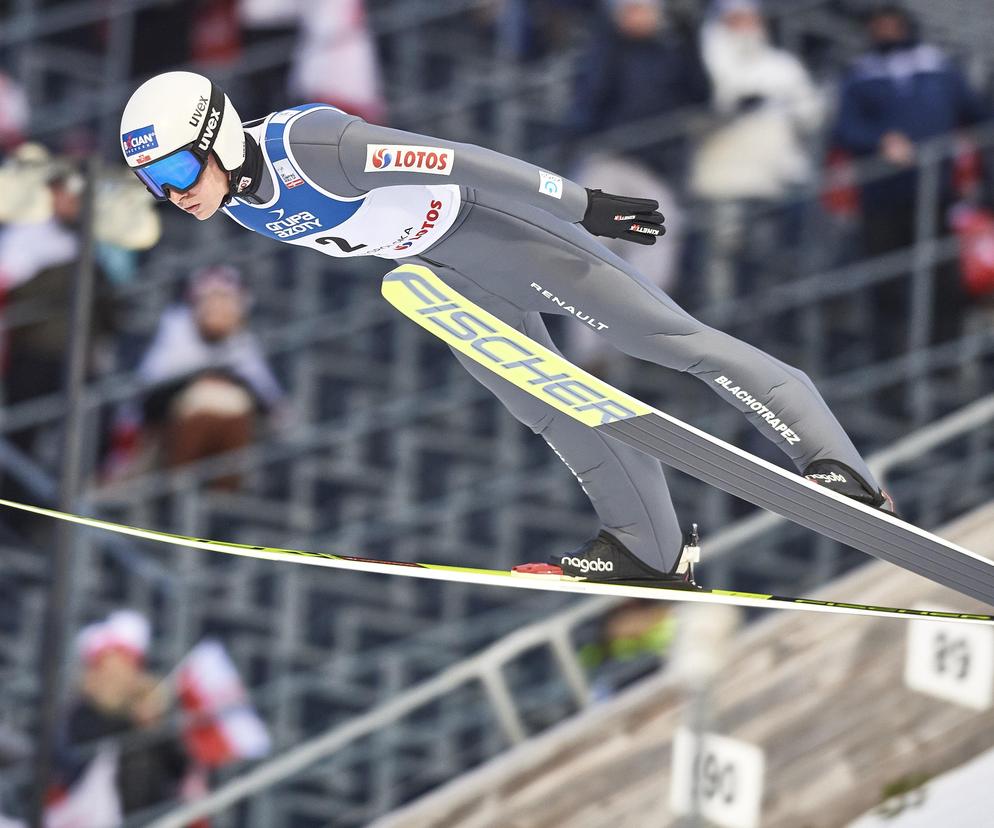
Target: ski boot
605 559
844 481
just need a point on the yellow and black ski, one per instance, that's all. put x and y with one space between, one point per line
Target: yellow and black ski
422 296
502 578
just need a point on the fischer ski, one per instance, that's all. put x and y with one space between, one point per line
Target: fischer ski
506 578
422 296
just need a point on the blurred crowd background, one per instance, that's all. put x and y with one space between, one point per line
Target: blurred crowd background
825 171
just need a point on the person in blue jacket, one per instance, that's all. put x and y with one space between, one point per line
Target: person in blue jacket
900 93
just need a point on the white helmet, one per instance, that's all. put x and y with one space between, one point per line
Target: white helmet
171 125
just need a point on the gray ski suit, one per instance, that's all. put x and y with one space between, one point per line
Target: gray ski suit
506 234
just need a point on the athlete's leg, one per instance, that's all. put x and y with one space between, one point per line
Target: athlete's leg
625 486
541 264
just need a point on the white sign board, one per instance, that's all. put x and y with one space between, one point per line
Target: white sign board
960 797
724 776
954 662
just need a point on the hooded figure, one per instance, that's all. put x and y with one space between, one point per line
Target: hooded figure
767 105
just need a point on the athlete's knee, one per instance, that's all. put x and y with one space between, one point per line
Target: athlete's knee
796 373
539 423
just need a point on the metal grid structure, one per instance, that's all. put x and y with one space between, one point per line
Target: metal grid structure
399 454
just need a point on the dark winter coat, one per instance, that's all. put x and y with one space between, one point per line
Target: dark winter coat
918 91
622 81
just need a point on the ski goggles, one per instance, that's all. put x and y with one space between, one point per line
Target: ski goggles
177 172
182 168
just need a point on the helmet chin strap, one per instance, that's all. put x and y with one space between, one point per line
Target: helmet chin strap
245 179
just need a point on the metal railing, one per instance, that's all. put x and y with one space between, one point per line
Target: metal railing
329 450
400 515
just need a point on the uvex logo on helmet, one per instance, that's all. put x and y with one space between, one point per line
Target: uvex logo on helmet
198 113
210 130
585 565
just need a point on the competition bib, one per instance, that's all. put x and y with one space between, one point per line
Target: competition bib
389 222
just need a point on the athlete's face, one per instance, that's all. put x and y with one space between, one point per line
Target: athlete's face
204 198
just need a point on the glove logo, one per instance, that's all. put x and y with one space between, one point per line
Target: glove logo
620 217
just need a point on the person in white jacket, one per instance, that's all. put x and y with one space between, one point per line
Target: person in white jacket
207 384
767 109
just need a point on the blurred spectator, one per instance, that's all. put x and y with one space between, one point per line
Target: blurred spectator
163 37
14 746
92 801
13 113
898 94
24 195
640 64
117 696
216 36
335 60
533 29
207 378
755 158
37 269
267 23
37 272
111 760
633 641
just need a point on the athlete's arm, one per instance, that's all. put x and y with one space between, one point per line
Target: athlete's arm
464 164
331 143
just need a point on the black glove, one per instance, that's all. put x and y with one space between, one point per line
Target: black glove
619 217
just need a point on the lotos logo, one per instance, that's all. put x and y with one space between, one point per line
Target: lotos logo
382 158
430 160
139 140
407 240
585 566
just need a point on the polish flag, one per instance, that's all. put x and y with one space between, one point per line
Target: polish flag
222 725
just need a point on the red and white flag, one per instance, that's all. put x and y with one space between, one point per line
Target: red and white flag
222 726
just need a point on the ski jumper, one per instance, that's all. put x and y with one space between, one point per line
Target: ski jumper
505 233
